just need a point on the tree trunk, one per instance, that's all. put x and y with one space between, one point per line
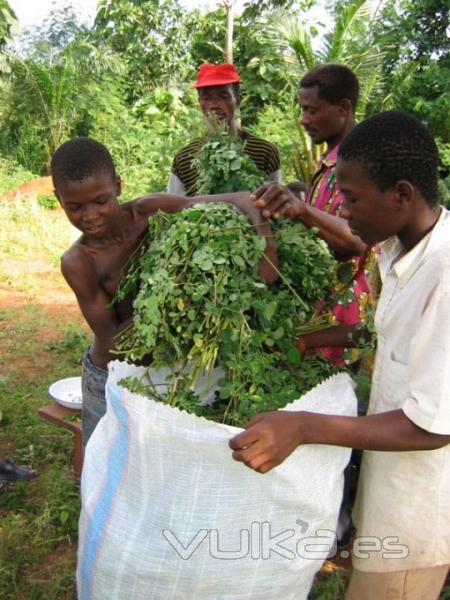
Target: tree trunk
229 39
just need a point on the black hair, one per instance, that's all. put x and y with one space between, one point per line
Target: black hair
334 83
392 146
80 158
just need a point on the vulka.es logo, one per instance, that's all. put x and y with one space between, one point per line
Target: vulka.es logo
259 542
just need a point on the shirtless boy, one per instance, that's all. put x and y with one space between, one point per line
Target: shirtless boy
87 187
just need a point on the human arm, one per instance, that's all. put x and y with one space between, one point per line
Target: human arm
268 265
79 272
338 336
271 437
275 200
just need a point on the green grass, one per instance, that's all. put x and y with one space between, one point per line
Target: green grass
330 586
12 175
41 341
38 518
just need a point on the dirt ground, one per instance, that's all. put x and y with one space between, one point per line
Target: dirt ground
50 311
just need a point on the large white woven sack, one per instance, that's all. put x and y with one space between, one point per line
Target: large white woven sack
167 514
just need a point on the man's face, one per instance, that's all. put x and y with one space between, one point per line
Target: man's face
91 204
372 215
219 100
322 121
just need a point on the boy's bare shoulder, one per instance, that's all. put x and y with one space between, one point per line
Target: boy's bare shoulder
77 262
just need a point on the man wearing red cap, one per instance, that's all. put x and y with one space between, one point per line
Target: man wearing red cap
219 94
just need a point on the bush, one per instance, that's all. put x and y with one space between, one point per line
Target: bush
143 140
12 174
277 125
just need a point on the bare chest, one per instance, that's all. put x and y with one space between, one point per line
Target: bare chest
112 264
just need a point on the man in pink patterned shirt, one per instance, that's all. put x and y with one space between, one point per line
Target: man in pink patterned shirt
328 97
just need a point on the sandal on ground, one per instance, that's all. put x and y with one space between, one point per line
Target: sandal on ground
9 471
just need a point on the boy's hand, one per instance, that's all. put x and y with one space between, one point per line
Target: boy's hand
275 200
268 440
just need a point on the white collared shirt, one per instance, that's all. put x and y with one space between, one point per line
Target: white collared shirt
406 495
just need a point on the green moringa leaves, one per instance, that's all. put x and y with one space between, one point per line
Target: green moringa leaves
199 303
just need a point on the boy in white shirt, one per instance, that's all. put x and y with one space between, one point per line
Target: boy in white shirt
387 171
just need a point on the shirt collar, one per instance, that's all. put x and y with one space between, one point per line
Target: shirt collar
329 159
404 266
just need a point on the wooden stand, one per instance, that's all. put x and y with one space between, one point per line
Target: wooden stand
55 413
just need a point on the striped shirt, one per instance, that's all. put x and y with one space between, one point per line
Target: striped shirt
264 154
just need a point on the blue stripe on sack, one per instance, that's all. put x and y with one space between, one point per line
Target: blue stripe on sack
101 511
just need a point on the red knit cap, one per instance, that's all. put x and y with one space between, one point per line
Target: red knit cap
216 75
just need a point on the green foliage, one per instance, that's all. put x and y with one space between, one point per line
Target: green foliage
223 166
38 518
144 139
331 586
51 93
8 20
444 173
12 174
128 81
48 201
278 125
25 227
262 68
416 61
73 343
445 594
444 191
207 38
201 303
151 36
255 8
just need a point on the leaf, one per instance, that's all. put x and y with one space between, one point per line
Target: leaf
225 392
63 516
198 340
294 356
278 333
238 261
269 310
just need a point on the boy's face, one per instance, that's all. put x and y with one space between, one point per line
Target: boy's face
372 215
91 204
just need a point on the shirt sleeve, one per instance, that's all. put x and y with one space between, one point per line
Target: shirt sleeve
175 185
275 176
428 404
273 164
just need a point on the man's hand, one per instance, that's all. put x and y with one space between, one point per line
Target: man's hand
268 440
271 437
275 200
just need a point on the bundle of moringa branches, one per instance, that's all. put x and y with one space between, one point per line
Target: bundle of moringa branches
200 304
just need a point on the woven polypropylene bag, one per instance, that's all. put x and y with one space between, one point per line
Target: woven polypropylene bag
168 514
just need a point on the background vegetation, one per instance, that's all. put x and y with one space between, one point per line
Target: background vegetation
127 81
